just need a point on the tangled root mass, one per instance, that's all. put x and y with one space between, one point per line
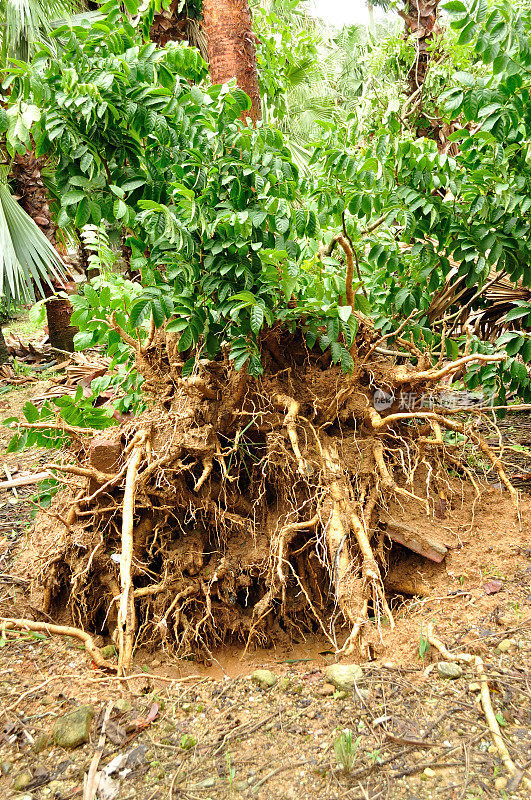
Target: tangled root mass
248 508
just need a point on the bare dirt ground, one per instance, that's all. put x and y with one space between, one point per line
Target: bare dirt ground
180 729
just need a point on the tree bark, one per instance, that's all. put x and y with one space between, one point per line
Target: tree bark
33 197
420 17
4 352
231 48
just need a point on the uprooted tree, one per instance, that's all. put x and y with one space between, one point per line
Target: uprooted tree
246 497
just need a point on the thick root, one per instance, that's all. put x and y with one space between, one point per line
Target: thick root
126 609
58 630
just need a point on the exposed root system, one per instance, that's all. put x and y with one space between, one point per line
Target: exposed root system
248 508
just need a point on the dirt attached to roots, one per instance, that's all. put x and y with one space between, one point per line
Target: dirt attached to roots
258 510
233 567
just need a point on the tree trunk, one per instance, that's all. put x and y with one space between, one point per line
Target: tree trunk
60 332
33 197
420 17
370 7
231 49
4 352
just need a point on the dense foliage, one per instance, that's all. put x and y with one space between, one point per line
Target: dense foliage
221 226
207 202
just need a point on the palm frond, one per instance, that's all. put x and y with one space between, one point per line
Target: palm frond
27 22
27 259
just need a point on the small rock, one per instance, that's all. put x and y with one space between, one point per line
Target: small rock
506 645
492 749
207 783
500 783
429 773
240 786
449 670
56 787
344 676
264 678
22 781
108 651
474 687
73 729
122 705
325 691
42 742
5 767
156 663
284 684
137 756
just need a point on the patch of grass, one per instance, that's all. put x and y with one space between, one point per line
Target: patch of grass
346 749
25 326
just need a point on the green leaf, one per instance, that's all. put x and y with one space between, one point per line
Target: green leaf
243 297
257 318
468 33
240 360
82 213
336 350
83 339
347 362
455 7
131 6
92 296
158 312
188 367
119 208
71 198
282 224
344 312
516 313
139 312
185 340
30 412
332 328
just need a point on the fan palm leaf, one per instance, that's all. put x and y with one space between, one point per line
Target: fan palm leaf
27 22
27 259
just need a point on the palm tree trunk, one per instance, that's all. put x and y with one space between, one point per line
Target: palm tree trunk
420 17
4 352
370 7
231 48
33 197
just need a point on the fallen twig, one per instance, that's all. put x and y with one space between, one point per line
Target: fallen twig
25 480
93 777
486 703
